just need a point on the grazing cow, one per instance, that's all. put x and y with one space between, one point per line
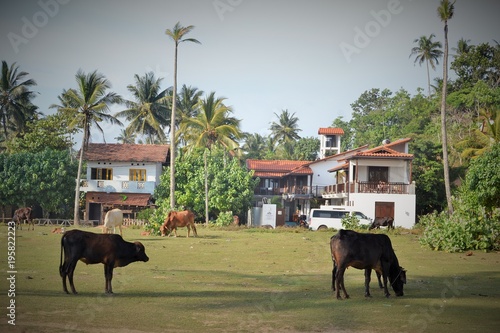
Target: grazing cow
382 222
91 248
180 219
22 214
113 219
365 251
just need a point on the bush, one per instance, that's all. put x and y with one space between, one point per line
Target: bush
224 219
350 221
458 232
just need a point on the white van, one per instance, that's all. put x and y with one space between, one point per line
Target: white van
327 218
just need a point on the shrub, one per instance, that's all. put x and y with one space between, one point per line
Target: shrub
350 221
457 233
224 219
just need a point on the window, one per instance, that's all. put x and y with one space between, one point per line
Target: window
101 174
378 174
331 141
137 175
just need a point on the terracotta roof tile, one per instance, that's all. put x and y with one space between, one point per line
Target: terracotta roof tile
331 131
113 152
278 168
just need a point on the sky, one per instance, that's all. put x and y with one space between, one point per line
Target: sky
313 58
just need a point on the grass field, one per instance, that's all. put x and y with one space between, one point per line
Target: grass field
246 280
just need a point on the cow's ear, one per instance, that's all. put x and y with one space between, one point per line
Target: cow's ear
138 247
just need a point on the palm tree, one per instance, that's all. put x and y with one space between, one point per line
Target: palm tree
254 146
427 51
88 104
187 100
212 126
445 11
463 47
126 137
15 99
285 132
147 113
176 34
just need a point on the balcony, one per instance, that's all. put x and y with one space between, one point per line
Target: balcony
341 190
120 186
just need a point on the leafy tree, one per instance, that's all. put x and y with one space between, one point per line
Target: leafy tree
428 51
347 139
88 105
45 178
147 113
15 99
187 105
446 11
177 35
306 149
231 185
48 132
483 178
213 126
477 63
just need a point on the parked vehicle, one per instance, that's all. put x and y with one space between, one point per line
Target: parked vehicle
328 218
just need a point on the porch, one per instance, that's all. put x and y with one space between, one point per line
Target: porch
339 190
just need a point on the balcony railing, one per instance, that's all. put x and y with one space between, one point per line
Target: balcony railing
121 186
370 187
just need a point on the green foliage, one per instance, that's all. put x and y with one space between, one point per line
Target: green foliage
350 221
224 219
45 178
230 185
457 233
483 178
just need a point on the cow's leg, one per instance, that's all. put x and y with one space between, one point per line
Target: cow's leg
380 285
71 271
334 271
63 271
174 229
108 275
385 271
194 230
339 281
189 229
368 273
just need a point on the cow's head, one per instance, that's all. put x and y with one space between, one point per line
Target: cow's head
140 252
398 280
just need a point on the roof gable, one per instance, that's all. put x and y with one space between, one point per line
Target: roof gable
331 131
112 152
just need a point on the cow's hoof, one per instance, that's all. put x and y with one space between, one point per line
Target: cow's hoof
368 296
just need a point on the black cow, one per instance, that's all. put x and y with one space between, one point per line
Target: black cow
382 222
365 251
22 214
108 249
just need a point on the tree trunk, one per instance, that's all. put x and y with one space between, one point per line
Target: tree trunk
172 135
443 123
206 187
76 217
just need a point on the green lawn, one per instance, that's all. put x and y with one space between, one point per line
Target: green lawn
247 280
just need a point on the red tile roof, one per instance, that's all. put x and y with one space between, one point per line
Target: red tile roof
112 152
331 131
278 168
382 152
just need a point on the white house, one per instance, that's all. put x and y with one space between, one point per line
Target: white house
121 175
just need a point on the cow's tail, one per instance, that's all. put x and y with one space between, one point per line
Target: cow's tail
61 257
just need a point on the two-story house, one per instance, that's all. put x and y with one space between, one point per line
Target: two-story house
376 181
121 176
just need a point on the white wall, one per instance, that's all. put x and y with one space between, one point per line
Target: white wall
404 206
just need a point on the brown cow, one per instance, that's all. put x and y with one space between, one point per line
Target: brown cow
180 219
24 214
91 248
382 222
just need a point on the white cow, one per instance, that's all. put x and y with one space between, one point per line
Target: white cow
113 219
